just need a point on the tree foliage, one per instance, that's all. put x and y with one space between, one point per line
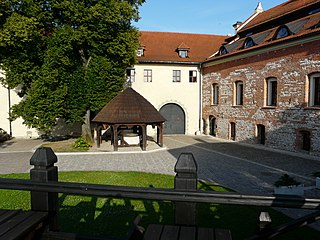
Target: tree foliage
66 56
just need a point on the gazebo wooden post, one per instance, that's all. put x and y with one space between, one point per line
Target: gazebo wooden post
160 134
144 137
115 137
98 130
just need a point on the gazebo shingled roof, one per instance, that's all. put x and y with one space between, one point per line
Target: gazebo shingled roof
129 107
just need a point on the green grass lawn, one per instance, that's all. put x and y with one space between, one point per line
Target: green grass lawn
112 217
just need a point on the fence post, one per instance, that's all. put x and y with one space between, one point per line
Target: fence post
185 180
44 171
264 222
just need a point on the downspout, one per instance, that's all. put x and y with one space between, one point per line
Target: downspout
200 98
9 102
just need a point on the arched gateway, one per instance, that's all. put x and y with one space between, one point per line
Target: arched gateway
175 117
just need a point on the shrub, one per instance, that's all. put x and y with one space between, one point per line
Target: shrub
286 180
81 144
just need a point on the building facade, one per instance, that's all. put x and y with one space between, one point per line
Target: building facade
263 85
168 75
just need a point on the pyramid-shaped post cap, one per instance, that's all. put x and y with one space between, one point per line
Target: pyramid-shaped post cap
186 164
43 156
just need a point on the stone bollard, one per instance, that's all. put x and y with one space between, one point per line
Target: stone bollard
185 180
44 171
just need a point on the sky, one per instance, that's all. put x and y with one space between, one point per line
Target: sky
197 16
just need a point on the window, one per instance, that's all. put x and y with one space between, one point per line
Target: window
176 77
248 43
223 51
147 75
130 75
314 90
239 93
282 32
193 76
271 99
215 94
140 52
183 53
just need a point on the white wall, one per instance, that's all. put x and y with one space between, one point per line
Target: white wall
19 130
162 90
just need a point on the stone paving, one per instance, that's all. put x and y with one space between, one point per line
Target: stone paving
243 168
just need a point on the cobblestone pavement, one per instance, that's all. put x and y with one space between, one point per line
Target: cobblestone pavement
243 168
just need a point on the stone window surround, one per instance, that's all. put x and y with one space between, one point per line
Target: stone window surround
238 93
271 92
215 94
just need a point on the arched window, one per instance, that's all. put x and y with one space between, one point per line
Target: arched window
282 32
248 43
223 50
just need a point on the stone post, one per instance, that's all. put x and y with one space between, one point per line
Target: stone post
185 180
44 171
264 222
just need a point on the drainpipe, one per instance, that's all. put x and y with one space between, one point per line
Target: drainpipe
9 101
200 98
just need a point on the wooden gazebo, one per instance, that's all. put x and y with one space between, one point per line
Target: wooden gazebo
128 115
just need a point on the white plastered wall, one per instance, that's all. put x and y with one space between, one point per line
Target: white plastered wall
19 130
162 90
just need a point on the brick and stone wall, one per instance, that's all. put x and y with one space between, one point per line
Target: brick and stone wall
291 67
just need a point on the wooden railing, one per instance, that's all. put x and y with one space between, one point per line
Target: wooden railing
44 188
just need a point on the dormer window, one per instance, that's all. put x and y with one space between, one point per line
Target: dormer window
248 43
183 53
140 52
282 32
183 50
223 51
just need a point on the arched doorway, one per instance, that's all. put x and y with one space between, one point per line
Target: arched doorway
175 119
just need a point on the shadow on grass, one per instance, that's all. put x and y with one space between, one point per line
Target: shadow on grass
114 217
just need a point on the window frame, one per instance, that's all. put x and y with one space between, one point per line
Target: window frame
131 76
192 78
183 53
176 75
278 36
248 43
238 93
147 75
215 94
314 90
271 92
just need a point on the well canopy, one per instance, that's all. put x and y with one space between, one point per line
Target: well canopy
126 111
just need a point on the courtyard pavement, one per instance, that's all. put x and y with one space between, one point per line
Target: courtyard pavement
241 167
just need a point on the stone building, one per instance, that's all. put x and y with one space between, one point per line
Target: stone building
263 85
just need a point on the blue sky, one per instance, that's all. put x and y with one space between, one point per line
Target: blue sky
197 16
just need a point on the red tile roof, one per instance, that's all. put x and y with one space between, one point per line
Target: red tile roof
298 26
279 11
163 46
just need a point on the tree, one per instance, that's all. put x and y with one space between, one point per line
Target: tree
68 57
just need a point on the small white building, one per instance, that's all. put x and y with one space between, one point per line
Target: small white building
168 75
15 128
